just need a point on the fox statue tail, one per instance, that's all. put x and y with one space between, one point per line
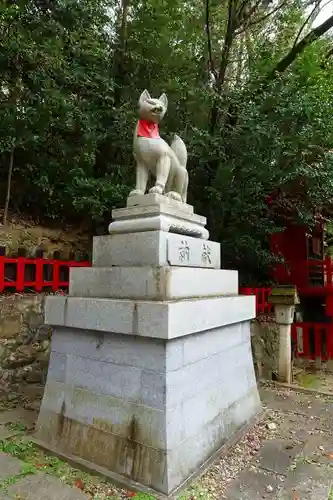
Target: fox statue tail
179 148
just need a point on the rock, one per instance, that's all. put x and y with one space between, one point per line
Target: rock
43 359
271 426
3 351
43 333
24 346
264 339
35 374
45 344
23 356
33 405
269 488
10 326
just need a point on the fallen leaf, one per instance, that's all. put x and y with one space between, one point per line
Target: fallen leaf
39 466
130 494
79 484
330 455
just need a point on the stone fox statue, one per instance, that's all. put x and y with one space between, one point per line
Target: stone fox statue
153 155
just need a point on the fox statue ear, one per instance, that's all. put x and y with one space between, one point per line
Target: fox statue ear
164 100
144 96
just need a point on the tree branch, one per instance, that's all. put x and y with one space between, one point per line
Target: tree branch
329 53
292 55
209 42
317 4
263 18
228 39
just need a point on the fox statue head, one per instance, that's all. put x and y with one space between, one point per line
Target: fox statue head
150 109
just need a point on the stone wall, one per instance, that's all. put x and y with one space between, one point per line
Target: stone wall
24 348
264 338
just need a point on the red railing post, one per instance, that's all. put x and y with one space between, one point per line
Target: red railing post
328 269
55 275
2 273
317 341
39 275
329 341
20 274
261 295
306 340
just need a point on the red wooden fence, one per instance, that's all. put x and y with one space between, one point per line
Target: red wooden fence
21 274
312 340
262 305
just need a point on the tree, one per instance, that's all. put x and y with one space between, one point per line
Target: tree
57 94
249 85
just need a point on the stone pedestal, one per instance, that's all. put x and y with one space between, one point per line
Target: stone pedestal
151 370
284 299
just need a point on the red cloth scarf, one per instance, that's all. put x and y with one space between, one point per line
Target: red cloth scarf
148 129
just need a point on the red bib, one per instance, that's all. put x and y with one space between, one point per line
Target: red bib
148 129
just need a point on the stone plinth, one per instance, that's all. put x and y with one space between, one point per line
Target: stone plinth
151 368
155 249
157 212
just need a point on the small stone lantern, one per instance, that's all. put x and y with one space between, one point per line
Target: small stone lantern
284 299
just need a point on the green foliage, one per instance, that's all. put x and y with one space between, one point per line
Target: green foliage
71 72
56 93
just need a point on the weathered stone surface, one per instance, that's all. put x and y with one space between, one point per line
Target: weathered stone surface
254 484
147 283
24 348
158 217
111 348
161 208
164 320
10 326
149 409
210 437
264 340
157 199
24 355
307 481
9 466
108 414
156 249
277 455
301 403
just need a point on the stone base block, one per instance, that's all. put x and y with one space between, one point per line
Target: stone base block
158 213
147 283
156 249
150 199
163 320
148 410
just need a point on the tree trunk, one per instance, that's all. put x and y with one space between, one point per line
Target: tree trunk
9 185
120 53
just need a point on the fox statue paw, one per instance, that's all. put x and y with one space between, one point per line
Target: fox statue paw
156 190
174 195
135 192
